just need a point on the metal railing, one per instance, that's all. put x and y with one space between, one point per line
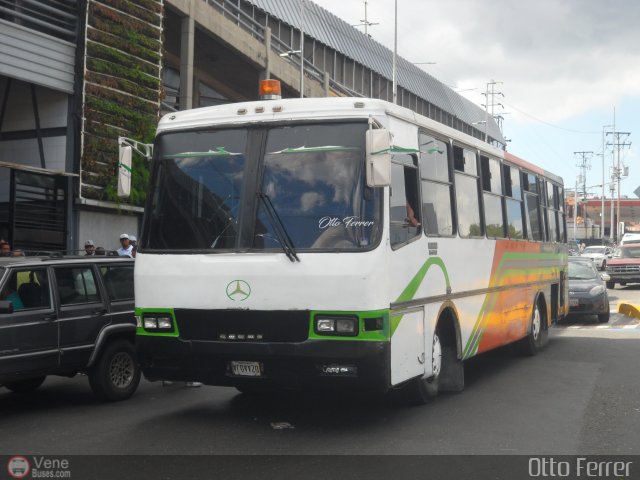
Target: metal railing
257 30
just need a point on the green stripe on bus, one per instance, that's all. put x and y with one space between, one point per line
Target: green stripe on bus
410 290
503 271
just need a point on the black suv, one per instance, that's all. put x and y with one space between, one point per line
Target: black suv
65 315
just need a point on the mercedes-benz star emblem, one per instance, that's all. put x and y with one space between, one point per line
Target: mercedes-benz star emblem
238 290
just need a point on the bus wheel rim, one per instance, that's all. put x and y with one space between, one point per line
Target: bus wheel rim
436 356
536 324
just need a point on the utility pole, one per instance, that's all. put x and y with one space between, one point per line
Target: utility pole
490 96
394 72
366 23
584 165
301 48
604 128
619 142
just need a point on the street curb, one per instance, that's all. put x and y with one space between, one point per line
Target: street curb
629 309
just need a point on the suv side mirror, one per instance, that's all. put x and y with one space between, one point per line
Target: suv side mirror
378 147
6 306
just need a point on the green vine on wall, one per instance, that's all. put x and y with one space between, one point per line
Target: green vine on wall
122 92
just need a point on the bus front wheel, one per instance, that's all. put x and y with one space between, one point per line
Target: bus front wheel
423 390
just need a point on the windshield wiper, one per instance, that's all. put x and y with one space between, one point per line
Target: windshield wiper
278 227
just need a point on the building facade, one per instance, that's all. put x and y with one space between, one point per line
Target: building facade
76 74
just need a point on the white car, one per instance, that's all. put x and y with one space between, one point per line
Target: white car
599 255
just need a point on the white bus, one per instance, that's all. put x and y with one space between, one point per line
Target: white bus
340 242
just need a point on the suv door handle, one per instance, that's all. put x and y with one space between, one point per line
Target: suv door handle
98 312
50 318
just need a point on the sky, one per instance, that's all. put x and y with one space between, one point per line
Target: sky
564 66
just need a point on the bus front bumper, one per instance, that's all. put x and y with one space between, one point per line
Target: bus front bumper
312 363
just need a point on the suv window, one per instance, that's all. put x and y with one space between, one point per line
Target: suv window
119 281
27 289
76 285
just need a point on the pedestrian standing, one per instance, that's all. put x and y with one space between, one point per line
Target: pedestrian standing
134 244
5 249
125 246
89 248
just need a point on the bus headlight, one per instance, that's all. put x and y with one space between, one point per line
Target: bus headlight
336 325
346 326
150 323
325 325
158 323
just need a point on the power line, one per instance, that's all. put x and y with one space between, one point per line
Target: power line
550 124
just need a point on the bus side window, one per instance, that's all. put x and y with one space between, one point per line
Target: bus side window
535 230
513 201
404 214
492 193
467 192
437 187
561 216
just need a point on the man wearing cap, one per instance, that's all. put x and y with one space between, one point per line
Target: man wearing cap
89 248
126 248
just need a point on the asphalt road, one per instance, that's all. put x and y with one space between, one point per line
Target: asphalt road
581 395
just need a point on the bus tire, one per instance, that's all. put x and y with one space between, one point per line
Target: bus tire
537 337
452 375
25 386
116 375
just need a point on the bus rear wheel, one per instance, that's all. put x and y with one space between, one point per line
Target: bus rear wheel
538 334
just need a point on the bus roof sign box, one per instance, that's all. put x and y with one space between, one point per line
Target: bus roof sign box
124 171
378 157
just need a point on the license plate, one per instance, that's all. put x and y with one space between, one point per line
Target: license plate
574 302
246 369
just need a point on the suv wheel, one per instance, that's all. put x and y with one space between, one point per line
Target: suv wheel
25 386
117 373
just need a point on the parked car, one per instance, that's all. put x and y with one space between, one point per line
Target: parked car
66 315
624 267
599 255
587 292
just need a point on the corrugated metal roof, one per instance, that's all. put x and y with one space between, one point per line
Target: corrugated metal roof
327 28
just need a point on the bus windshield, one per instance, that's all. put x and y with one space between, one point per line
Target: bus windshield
206 194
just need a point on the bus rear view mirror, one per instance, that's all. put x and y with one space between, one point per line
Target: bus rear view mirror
124 171
378 157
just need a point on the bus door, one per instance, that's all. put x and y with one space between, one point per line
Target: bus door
407 321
